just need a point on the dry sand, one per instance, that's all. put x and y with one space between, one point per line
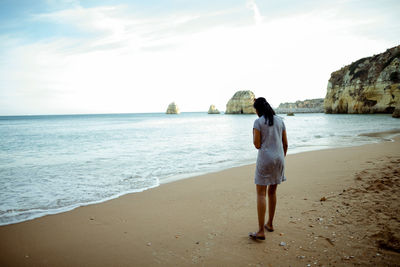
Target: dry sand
339 207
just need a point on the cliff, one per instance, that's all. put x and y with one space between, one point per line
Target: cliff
172 109
241 103
396 112
213 110
306 106
369 85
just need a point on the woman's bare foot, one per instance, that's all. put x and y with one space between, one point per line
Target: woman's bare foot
269 228
260 235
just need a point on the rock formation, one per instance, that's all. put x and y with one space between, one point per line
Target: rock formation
369 85
213 110
306 106
241 103
172 109
396 113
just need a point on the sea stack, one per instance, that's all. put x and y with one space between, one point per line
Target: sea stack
368 85
241 103
172 109
213 110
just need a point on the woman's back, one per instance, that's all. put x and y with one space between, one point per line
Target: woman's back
271 136
270 160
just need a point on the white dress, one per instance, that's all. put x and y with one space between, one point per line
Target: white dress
270 167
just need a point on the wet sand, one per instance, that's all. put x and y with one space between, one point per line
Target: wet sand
338 207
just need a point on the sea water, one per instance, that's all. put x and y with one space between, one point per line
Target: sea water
51 164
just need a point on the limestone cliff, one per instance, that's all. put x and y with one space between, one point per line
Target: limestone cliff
172 109
306 106
396 113
213 110
241 103
369 85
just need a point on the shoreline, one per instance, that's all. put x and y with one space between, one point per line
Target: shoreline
205 221
385 136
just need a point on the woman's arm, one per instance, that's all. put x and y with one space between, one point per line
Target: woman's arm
256 138
284 142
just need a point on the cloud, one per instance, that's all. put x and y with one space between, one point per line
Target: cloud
110 27
123 62
99 26
251 4
62 3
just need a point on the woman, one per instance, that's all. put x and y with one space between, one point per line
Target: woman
269 137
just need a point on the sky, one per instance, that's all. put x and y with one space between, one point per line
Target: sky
120 56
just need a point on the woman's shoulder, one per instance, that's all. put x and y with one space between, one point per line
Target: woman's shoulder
260 120
258 123
279 118
279 122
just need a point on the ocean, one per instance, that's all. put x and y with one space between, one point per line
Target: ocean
52 164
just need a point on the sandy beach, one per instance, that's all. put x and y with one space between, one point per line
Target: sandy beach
338 207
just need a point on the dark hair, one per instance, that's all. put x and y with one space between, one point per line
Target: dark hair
264 109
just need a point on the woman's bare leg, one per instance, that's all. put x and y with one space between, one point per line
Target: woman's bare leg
261 208
271 204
